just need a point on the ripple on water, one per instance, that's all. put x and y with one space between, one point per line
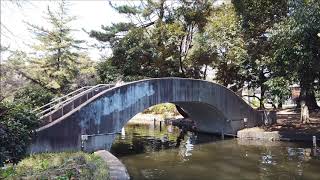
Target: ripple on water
151 154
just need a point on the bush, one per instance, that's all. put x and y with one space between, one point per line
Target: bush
33 95
64 165
107 72
161 109
16 125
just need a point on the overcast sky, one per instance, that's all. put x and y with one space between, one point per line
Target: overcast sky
91 15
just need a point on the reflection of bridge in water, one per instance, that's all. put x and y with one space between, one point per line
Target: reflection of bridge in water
90 118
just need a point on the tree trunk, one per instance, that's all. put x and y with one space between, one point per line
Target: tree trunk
280 102
180 58
205 72
308 96
262 96
262 80
304 113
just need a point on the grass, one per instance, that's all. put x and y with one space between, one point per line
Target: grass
162 109
60 166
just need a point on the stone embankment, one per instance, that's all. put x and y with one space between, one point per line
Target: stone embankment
288 127
257 133
117 171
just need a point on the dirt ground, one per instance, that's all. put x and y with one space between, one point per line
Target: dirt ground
289 120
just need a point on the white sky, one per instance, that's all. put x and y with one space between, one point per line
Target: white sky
91 15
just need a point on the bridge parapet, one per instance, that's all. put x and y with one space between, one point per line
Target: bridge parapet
215 109
63 105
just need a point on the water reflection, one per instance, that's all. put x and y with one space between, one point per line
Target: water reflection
123 134
173 154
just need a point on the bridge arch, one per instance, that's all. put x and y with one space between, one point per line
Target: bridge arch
92 125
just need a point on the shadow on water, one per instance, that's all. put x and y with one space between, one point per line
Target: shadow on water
145 138
151 154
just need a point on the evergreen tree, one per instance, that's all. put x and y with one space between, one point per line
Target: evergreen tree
157 40
54 63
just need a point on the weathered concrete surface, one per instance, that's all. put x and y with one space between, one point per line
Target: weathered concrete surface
117 171
260 134
214 108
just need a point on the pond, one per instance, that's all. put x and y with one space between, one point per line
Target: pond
149 153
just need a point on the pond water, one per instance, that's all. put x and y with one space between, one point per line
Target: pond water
149 153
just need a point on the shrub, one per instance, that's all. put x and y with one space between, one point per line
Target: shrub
64 165
16 125
33 96
161 109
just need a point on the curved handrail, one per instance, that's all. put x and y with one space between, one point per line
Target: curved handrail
58 99
58 103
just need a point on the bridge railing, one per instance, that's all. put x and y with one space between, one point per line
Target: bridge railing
55 101
61 106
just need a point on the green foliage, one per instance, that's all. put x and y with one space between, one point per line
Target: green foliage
16 129
224 35
10 81
33 96
279 89
296 47
57 67
158 44
257 16
255 103
65 165
87 74
57 61
162 109
107 72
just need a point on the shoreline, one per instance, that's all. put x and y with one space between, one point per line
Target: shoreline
117 170
257 133
287 127
149 118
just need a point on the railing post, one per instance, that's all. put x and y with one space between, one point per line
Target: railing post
62 111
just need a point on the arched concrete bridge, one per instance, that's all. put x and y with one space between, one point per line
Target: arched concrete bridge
93 124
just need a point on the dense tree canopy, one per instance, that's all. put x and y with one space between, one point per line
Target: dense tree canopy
267 45
296 48
245 43
225 38
257 17
158 40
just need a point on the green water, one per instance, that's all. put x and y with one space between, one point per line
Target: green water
150 154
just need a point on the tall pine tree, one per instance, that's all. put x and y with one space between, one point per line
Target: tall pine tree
54 63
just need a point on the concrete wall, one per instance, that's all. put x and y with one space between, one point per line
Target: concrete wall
214 108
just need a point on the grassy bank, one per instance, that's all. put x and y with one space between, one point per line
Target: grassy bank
162 109
60 166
